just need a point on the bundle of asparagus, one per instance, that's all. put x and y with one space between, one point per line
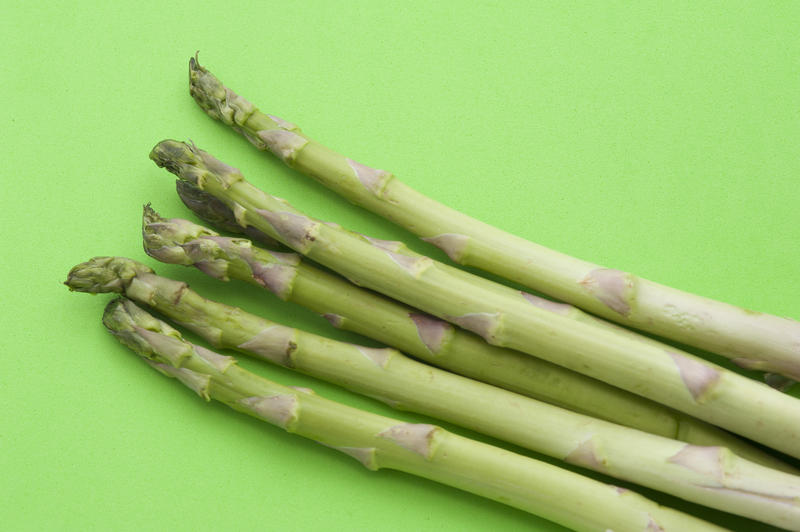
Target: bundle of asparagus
378 442
437 342
503 316
593 394
751 339
713 476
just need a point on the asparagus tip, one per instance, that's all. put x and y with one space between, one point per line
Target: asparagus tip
214 98
104 274
176 157
164 239
192 164
194 62
149 215
207 207
212 210
145 334
198 82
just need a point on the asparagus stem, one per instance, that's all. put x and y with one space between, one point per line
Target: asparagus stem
753 340
378 442
503 316
435 341
217 213
713 476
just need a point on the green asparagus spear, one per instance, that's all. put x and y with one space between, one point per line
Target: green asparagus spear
378 442
435 341
753 340
713 476
503 316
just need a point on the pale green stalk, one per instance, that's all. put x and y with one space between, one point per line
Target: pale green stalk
378 442
349 307
713 476
751 339
503 316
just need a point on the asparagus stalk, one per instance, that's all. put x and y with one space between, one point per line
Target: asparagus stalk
378 442
503 316
216 212
348 307
752 340
713 476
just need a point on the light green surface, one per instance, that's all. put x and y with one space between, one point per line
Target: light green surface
661 138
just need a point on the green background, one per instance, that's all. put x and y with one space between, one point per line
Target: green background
656 137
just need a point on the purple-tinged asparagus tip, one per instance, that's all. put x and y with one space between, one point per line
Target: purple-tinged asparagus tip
216 213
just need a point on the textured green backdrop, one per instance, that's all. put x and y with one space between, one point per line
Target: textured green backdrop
657 137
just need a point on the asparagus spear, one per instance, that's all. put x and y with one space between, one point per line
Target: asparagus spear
378 442
713 476
502 316
752 340
346 306
216 212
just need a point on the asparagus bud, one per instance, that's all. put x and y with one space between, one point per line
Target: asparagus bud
104 274
216 99
216 213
